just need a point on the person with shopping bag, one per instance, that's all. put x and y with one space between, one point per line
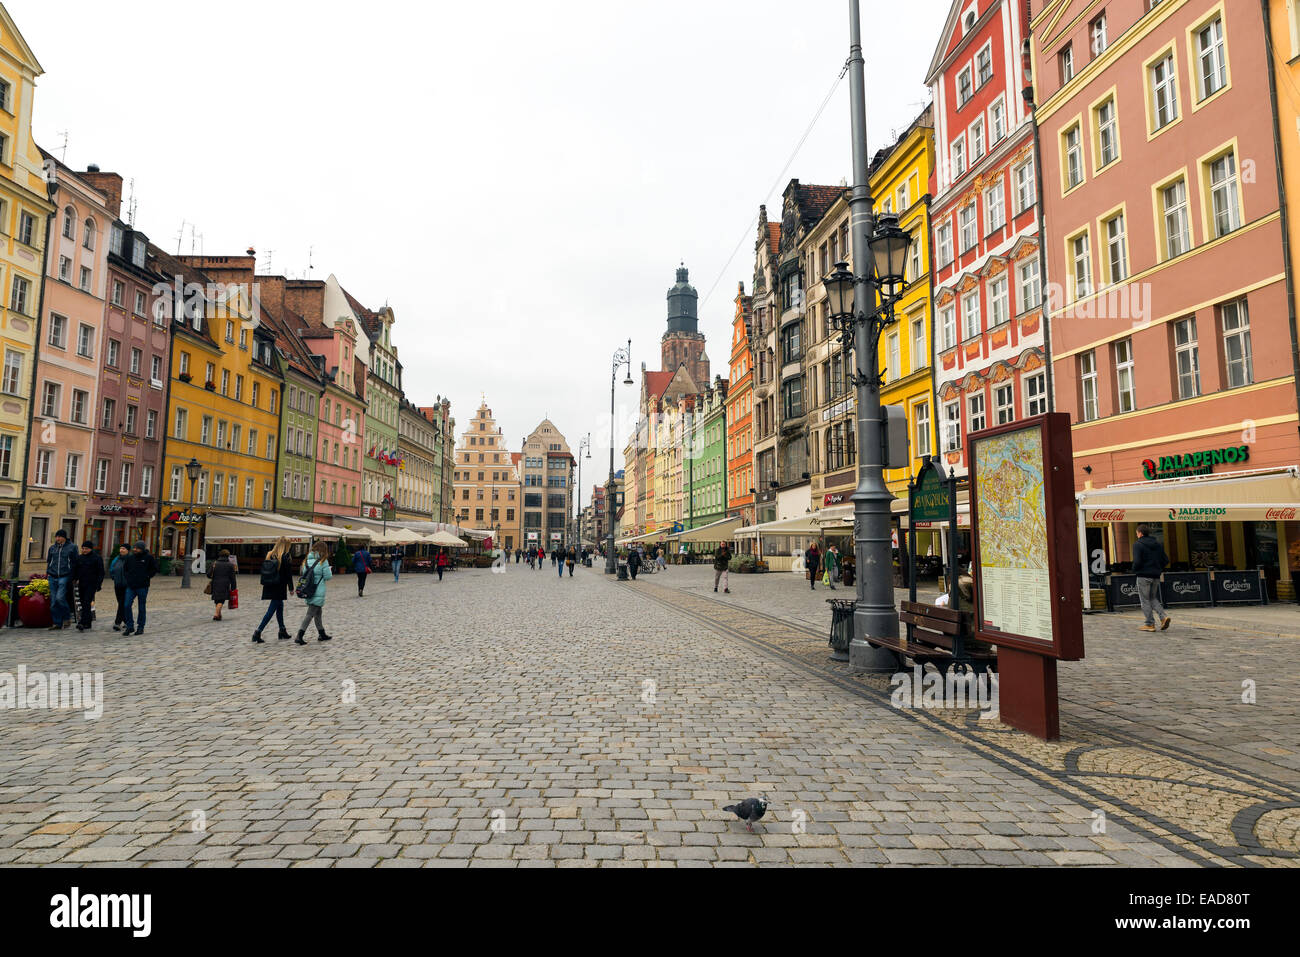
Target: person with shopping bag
223 582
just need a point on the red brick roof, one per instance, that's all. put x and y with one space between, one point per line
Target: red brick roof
656 383
773 238
815 200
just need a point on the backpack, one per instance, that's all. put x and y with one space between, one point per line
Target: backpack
270 572
307 585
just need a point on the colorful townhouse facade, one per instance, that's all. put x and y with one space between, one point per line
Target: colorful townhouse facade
1174 343
68 364
131 410
705 458
990 364
26 215
740 413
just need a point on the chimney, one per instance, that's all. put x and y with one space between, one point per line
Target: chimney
110 184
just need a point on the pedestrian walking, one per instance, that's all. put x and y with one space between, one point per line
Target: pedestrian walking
442 563
633 562
361 565
395 559
316 572
60 565
832 564
541 557
223 582
117 572
141 566
813 561
557 559
1149 563
517 554
572 559
276 577
722 568
90 578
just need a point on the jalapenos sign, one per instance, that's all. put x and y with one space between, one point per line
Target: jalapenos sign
1193 463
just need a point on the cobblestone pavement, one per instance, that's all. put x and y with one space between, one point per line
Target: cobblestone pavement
520 720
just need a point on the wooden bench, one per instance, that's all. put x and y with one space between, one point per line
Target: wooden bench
941 637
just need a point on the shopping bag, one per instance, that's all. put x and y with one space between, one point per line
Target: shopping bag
234 598
826 580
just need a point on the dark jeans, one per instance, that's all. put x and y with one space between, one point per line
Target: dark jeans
60 610
440 571
120 591
632 570
361 582
275 608
84 597
131 595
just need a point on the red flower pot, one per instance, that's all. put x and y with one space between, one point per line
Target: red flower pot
34 610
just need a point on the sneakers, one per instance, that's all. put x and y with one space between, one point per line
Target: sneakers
127 632
1147 628
1164 625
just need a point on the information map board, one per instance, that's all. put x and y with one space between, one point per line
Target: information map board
1025 538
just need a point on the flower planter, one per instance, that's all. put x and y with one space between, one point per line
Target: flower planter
34 611
4 614
185 377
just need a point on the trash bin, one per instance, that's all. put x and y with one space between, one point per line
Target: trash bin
622 572
841 627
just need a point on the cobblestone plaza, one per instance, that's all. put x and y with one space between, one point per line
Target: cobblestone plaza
520 720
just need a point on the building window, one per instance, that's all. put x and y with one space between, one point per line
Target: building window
1235 320
119 289
155 370
1164 92
943 244
182 423
141 303
72 470
792 397
26 228
1187 358
970 315
1177 225
1025 195
136 357
1212 72
1065 60
984 65
1107 134
43 459
1088 384
1225 205
958 156
50 396
88 234
1081 265
13 373
921 441
920 359
58 331
975 412
101 476
146 481
80 404
131 415
1036 394
969 235
995 205
998 310
1097 32
1004 403
977 140
893 360
963 87
1126 391
1072 151
85 278
125 487
151 424
1030 288
1116 249
948 326
997 120
174 491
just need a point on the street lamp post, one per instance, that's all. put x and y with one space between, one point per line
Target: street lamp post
861 322
621 358
192 470
583 446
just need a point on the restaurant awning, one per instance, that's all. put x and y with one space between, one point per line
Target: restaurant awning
722 531
640 538
249 528
803 525
1253 496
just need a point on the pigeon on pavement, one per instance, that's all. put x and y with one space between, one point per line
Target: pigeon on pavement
749 810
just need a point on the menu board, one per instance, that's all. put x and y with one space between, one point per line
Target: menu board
1025 537
1013 560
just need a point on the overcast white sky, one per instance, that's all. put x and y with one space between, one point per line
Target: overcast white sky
519 180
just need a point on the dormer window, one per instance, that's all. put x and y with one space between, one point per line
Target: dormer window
115 238
137 253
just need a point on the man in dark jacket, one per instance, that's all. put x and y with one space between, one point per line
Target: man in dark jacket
1149 562
140 569
90 577
60 566
721 568
117 571
633 562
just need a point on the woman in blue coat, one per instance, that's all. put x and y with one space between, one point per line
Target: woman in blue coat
361 565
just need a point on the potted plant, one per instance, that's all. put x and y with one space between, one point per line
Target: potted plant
210 386
185 377
34 604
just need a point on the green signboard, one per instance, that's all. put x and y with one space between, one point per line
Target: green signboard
930 502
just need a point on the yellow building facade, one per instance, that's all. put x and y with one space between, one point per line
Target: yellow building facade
25 210
223 404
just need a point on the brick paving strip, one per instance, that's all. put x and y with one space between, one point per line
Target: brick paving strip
517 720
1186 793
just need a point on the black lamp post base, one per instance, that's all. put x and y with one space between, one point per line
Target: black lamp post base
864 659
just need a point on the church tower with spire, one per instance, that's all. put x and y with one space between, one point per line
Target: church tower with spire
683 343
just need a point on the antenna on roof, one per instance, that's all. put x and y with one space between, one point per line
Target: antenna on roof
310 252
180 236
64 149
130 205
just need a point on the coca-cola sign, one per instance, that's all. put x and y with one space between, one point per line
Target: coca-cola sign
1280 515
1109 515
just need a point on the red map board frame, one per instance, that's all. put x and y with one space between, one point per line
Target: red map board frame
1027 664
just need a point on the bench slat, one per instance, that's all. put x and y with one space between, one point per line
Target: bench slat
932 624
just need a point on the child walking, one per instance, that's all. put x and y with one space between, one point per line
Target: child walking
316 572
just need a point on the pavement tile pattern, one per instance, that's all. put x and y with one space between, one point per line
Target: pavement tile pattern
522 720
